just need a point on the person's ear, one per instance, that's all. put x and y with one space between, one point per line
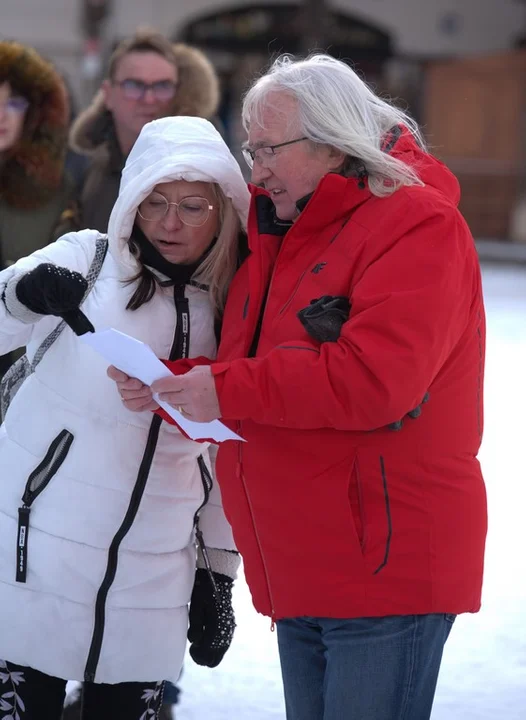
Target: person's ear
336 158
107 94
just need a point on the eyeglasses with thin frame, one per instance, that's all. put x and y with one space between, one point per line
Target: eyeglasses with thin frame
265 155
162 90
15 105
193 211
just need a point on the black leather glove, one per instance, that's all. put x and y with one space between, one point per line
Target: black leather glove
53 290
416 412
211 618
323 318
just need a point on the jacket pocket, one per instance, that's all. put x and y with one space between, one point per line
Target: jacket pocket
36 484
293 294
371 508
356 503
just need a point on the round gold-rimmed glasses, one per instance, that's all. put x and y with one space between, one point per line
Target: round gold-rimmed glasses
193 211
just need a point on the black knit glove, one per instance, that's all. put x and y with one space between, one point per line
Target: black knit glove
323 318
53 290
211 618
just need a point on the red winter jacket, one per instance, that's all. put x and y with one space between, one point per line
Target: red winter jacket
335 514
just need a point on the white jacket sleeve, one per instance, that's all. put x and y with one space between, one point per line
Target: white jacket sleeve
74 251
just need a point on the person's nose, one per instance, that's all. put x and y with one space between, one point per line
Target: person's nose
3 111
260 173
171 220
149 97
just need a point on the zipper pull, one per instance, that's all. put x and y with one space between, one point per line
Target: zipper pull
21 548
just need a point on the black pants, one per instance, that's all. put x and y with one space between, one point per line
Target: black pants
36 696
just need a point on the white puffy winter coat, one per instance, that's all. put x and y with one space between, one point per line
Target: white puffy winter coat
110 546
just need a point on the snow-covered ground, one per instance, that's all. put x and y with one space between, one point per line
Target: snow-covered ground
484 669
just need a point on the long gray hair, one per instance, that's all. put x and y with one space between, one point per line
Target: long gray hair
337 108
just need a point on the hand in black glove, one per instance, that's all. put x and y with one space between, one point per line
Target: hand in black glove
53 290
211 618
324 317
416 412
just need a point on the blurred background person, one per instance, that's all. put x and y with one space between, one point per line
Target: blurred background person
34 187
76 163
148 78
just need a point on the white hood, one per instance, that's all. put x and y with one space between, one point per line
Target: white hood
173 148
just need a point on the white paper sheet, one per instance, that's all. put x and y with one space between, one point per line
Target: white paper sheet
138 360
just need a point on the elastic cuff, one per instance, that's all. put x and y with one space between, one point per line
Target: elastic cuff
219 373
225 562
13 305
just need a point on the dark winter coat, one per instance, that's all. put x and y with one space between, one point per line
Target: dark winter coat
34 189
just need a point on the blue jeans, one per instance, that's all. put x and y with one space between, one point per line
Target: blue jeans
361 669
171 694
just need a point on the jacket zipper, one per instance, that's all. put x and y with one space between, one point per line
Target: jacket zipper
258 540
37 482
251 352
180 344
252 345
291 298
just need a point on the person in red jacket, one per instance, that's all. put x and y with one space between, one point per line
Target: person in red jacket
351 362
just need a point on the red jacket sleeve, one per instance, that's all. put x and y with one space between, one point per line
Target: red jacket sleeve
409 309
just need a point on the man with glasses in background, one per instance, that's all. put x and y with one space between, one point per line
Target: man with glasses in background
148 78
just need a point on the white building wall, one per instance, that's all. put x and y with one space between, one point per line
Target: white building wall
52 26
417 26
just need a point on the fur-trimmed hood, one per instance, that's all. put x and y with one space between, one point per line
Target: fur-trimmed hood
197 96
32 171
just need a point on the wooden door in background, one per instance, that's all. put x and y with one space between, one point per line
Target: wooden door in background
474 120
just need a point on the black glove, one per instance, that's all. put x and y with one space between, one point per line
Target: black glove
53 290
416 412
324 317
211 618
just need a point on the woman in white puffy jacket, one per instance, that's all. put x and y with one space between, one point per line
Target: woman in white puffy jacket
99 506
